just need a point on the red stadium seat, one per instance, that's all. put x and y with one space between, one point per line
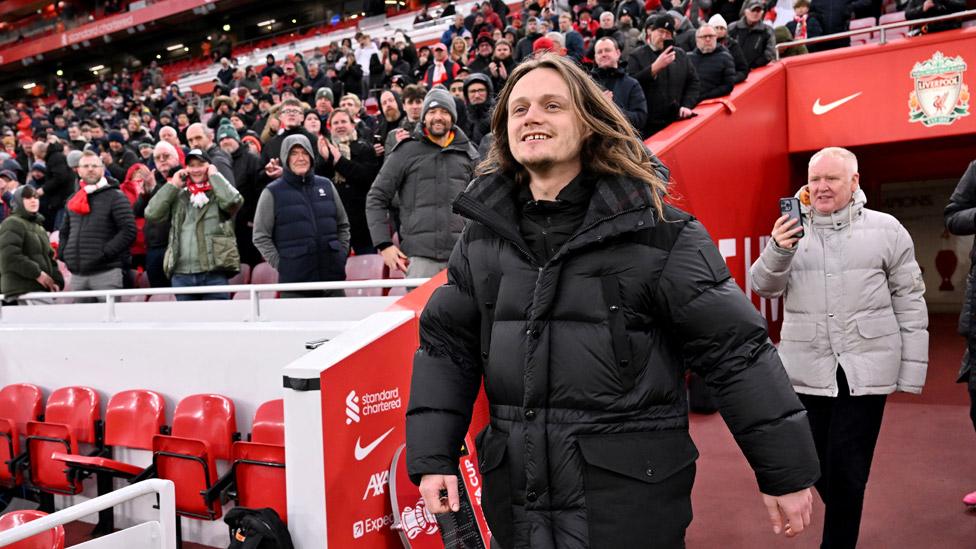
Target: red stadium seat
204 429
863 23
242 277
51 539
71 417
19 404
257 476
132 419
141 280
365 267
893 34
269 423
264 273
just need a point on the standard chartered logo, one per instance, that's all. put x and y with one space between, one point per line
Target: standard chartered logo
352 408
368 404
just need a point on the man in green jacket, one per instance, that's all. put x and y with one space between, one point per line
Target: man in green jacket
200 205
26 258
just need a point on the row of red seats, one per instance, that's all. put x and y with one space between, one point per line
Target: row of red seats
204 430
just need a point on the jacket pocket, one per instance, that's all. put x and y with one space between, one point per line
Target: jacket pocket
871 328
496 494
637 487
798 331
626 368
225 254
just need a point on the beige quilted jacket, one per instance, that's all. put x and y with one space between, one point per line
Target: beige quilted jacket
854 298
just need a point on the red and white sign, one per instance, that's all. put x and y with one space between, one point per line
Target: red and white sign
102 27
904 90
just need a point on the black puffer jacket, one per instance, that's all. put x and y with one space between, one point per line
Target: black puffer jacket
583 361
97 242
960 219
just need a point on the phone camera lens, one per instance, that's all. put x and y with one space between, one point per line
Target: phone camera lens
787 206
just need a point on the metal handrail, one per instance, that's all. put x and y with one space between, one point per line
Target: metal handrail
232 288
167 512
877 28
254 291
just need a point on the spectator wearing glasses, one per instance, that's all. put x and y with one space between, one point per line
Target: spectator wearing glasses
167 161
292 117
713 63
98 230
718 23
756 38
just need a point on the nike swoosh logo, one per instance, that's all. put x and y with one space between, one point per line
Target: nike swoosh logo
819 109
363 451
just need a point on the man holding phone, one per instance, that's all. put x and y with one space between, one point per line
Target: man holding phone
854 327
666 75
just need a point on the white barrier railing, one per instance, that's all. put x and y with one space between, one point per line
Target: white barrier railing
161 533
111 297
880 29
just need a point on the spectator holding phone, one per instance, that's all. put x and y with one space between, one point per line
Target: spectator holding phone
854 327
666 75
200 205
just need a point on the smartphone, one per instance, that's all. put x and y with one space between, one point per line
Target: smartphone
791 207
667 44
378 139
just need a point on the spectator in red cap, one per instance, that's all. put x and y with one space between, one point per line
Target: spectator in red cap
442 70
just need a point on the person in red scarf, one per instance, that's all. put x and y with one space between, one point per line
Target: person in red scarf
803 26
138 182
98 230
200 206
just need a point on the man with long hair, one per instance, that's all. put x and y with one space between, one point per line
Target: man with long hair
581 297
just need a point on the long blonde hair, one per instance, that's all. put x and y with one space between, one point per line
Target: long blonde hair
613 147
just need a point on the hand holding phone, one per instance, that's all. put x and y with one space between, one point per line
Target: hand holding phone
788 229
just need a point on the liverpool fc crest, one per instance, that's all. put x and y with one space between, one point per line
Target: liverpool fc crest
940 95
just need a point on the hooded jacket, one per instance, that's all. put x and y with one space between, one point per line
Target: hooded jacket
25 252
854 298
300 226
583 359
479 116
427 178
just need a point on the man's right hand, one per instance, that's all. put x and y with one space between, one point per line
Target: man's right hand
431 487
663 60
273 169
401 134
394 258
177 179
785 231
47 282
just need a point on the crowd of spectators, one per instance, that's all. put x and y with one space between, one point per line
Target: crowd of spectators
341 131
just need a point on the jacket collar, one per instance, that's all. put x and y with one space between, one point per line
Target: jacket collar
841 218
492 201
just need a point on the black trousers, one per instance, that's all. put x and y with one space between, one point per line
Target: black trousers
845 431
972 404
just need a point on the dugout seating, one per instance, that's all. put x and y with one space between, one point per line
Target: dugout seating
19 404
257 475
204 430
132 419
71 417
50 539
